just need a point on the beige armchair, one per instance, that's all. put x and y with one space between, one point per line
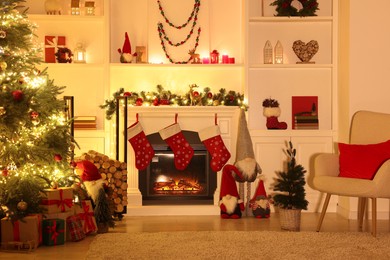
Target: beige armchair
366 128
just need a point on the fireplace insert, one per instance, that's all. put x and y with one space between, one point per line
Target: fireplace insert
162 184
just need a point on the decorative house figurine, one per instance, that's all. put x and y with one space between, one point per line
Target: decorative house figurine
268 53
75 7
89 8
79 53
278 53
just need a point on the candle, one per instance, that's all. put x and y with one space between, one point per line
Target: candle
225 59
232 60
206 60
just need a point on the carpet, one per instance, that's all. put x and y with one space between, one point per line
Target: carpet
239 245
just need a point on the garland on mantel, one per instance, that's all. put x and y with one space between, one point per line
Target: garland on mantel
166 97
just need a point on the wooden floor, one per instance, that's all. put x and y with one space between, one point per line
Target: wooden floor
78 250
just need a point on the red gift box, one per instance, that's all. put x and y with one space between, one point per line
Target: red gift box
27 229
85 212
57 200
52 43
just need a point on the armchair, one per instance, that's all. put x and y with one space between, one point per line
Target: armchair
366 128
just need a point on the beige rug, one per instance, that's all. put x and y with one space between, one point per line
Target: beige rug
240 245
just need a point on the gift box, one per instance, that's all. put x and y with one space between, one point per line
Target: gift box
63 216
75 228
27 229
52 43
53 232
85 212
57 200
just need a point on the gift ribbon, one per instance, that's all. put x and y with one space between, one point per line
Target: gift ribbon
53 231
16 232
89 226
53 43
60 203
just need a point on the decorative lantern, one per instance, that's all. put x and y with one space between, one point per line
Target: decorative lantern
268 53
89 8
79 54
214 57
278 53
75 7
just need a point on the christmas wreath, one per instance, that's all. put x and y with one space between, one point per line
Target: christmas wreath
64 55
295 7
166 97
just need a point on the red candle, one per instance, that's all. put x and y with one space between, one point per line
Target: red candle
225 59
232 60
206 60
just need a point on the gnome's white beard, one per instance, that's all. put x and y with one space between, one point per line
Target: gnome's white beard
93 188
230 203
247 167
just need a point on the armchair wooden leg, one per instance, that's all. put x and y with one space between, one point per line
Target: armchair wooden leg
324 207
362 203
373 231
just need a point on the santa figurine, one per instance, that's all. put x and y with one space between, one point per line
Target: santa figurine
94 185
259 203
230 203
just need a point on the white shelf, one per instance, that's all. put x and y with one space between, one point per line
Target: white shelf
278 19
291 66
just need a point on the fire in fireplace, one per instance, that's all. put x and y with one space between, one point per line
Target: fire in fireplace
162 183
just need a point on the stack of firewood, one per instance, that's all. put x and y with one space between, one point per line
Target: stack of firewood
114 173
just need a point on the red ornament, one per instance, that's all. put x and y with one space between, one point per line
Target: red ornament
210 95
34 115
231 98
156 102
17 95
196 94
139 101
127 94
164 102
57 157
4 173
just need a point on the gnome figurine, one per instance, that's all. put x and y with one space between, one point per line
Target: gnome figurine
126 56
259 203
245 157
230 203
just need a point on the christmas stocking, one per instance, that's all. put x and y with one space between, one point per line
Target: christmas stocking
211 138
182 150
143 150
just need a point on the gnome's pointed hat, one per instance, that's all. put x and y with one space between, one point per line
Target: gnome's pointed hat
245 156
259 191
90 171
126 45
228 184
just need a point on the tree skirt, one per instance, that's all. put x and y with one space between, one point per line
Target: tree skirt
239 245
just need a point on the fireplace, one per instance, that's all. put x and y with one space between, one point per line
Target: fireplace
162 184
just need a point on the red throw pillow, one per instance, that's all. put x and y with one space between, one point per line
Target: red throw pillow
362 161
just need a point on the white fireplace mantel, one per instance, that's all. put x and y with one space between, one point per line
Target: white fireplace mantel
194 118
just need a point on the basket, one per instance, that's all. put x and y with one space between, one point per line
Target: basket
290 219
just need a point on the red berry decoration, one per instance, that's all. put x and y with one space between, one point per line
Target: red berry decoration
127 94
57 157
139 101
209 95
156 102
196 94
17 95
34 115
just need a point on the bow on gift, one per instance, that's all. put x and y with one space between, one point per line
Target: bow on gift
89 226
60 203
54 232
53 43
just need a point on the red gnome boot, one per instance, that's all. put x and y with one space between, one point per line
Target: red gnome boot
272 111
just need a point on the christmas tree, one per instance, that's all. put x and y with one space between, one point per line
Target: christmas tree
35 136
290 185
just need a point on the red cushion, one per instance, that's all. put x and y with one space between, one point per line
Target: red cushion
362 161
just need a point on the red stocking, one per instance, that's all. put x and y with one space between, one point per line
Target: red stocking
142 149
182 150
211 138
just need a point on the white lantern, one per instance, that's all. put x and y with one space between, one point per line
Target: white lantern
268 53
89 8
75 7
79 54
278 53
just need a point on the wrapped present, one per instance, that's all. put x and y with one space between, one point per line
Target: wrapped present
85 212
75 228
27 229
53 232
63 216
52 43
57 200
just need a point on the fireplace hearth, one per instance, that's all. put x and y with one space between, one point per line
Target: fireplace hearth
162 184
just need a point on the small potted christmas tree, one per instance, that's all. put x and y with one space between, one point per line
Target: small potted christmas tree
290 194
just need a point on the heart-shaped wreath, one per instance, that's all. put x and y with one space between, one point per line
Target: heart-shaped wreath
295 7
305 51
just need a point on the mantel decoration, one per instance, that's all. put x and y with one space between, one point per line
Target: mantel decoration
166 97
64 55
305 51
161 32
296 7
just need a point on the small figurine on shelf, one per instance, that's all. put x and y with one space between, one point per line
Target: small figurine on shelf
194 57
53 7
126 56
272 111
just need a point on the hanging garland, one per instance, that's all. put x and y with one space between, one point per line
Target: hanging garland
194 14
166 97
295 7
165 49
162 32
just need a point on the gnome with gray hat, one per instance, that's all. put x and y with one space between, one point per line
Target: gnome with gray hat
245 160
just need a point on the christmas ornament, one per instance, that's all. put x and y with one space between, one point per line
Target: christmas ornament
17 95
271 111
35 121
2 111
3 65
4 88
22 205
3 34
34 115
57 157
4 172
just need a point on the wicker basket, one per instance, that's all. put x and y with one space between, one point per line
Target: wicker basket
290 219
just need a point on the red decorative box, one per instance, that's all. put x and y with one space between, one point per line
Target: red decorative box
52 43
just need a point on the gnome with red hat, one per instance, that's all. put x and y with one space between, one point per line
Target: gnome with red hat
230 203
259 203
126 55
94 185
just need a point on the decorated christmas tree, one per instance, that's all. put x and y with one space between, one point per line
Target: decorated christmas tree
290 184
35 136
